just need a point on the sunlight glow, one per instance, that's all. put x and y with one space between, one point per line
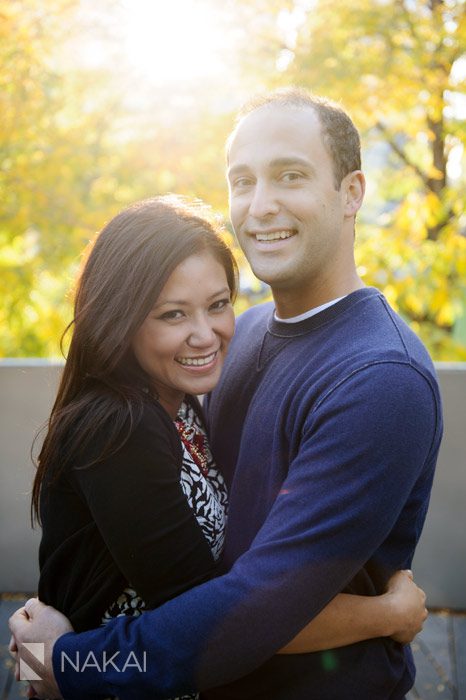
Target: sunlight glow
173 40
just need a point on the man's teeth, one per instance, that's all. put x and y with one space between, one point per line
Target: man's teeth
275 236
196 361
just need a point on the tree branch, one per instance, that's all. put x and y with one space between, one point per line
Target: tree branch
407 16
401 154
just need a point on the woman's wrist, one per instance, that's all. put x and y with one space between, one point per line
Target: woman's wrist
389 617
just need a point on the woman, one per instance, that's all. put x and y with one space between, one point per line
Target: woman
124 475
132 505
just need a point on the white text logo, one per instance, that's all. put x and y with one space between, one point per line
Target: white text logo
115 662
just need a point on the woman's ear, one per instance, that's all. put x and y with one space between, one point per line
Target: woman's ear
354 185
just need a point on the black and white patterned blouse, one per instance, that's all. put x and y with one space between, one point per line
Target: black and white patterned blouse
205 491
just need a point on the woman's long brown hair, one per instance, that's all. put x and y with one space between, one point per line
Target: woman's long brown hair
102 386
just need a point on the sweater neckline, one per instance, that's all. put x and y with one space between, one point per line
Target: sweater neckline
290 330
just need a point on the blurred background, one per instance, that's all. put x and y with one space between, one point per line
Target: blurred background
103 102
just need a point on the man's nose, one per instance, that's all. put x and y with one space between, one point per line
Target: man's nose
264 201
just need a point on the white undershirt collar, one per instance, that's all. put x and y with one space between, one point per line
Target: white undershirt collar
308 314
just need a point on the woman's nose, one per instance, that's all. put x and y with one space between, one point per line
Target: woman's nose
202 334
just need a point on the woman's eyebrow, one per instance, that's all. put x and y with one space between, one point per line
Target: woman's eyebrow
177 302
184 302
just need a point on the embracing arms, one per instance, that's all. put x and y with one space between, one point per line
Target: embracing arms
347 619
297 563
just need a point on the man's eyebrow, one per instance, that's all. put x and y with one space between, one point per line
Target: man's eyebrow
284 162
290 161
240 168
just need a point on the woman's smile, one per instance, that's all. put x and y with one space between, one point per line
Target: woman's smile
203 362
183 341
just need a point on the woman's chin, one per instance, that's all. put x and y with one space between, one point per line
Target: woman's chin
202 386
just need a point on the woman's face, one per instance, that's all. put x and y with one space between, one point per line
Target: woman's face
183 341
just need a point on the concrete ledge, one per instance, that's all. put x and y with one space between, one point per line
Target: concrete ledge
27 389
440 561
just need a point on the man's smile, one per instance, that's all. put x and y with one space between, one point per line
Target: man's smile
281 234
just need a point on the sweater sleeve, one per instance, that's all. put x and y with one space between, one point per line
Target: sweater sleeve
136 500
367 449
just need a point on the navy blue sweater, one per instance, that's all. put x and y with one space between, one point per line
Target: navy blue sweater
328 431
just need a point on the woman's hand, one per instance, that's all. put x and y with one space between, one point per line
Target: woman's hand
407 603
37 623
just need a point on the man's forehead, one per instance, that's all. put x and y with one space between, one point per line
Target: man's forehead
277 113
280 127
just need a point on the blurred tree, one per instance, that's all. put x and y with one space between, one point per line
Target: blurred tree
50 147
78 142
399 66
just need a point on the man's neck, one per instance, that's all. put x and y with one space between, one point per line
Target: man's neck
290 302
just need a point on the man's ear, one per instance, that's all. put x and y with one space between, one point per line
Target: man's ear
354 187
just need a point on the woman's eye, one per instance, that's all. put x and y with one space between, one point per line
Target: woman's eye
171 315
220 304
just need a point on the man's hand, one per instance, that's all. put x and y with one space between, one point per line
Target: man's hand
38 623
408 606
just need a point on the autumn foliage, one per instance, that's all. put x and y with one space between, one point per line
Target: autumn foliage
78 141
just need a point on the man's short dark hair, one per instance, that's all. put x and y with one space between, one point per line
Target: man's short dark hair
340 136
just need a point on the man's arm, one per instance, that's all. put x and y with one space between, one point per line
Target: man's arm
398 613
365 448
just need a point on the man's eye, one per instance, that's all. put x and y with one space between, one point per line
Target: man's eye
291 177
242 182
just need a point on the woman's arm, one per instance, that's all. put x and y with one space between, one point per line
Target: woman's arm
399 613
142 514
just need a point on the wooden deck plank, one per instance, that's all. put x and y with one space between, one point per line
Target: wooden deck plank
429 684
436 637
439 653
9 688
6 609
459 630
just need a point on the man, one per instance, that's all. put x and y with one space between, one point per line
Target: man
327 423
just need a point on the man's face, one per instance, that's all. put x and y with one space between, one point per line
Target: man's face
286 212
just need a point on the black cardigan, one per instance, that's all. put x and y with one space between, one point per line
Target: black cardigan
123 520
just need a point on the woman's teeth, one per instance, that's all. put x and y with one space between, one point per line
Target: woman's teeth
196 361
